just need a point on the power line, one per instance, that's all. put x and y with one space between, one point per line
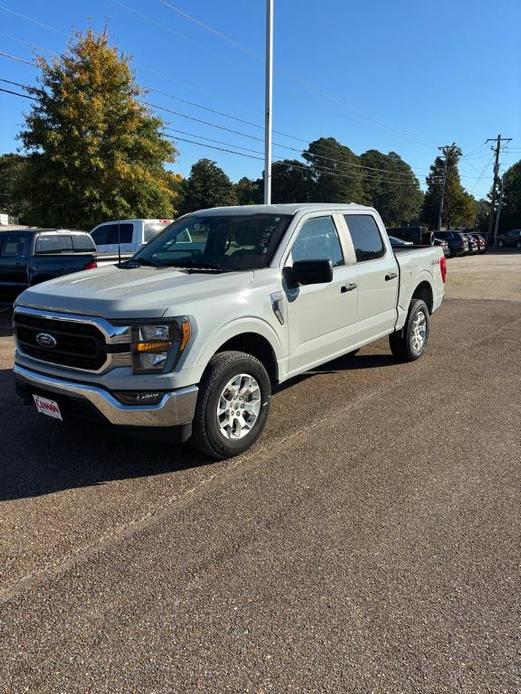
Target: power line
31 19
17 58
24 96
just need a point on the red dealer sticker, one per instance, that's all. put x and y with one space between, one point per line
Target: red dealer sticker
48 407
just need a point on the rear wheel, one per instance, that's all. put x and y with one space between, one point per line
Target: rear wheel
232 405
409 343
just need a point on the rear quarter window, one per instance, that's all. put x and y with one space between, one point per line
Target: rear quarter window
11 245
152 229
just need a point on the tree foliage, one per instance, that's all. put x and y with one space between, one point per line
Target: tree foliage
94 151
207 186
248 191
12 167
511 214
391 187
334 173
460 209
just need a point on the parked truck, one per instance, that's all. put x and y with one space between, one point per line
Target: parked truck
30 256
119 239
195 331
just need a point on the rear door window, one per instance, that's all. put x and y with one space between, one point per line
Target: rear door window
55 243
366 237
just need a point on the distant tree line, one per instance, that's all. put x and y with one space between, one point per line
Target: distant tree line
91 151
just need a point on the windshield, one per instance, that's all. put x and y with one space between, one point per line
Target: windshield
217 242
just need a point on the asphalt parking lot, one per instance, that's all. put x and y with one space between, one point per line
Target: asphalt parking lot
370 543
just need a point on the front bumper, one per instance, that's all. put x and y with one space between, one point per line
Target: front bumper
175 408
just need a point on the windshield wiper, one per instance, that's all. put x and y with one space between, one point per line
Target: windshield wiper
197 265
136 262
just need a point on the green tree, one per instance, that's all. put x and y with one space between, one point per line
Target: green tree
511 214
12 167
291 181
207 186
335 172
390 185
460 208
94 151
248 191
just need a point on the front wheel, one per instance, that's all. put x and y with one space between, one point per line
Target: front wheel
232 405
409 343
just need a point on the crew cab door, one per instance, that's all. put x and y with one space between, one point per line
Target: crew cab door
321 317
111 238
376 274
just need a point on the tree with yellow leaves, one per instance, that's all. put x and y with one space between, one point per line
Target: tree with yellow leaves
95 152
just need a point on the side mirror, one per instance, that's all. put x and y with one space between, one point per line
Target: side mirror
309 272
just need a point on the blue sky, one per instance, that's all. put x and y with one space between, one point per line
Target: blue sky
402 75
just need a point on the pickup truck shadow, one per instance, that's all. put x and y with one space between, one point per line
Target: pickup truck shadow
348 362
39 456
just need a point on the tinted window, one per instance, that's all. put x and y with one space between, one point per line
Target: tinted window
11 245
112 234
318 240
83 243
57 243
152 229
366 236
225 242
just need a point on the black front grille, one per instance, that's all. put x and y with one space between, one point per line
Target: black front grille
79 345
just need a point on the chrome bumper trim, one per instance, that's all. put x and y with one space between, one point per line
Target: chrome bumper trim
177 407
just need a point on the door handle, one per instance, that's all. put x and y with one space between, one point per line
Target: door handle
391 276
348 287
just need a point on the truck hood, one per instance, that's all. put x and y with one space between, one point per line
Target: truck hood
121 293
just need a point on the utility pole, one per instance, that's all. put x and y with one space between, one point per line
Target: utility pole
499 208
445 150
269 97
497 149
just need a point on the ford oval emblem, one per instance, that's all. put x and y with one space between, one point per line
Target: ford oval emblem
46 340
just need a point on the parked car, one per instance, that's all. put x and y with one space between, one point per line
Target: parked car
482 244
193 336
30 256
443 245
458 242
473 243
510 238
399 243
121 238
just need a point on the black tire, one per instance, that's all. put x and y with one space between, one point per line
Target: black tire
207 437
401 341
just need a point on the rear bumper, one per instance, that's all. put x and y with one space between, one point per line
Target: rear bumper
175 408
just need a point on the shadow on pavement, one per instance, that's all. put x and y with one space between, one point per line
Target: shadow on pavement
40 456
6 316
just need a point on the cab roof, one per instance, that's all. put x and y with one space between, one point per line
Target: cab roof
287 208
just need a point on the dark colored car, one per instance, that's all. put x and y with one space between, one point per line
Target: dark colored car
473 243
420 236
482 244
30 256
510 238
400 243
444 246
457 240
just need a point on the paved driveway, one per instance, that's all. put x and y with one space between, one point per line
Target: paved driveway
370 543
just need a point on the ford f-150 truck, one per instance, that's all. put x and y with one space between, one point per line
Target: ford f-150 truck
196 330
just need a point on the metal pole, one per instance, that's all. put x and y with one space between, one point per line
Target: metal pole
499 208
269 97
494 187
443 187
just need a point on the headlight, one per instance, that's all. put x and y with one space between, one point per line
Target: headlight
157 347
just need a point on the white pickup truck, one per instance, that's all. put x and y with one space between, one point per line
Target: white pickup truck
196 330
121 238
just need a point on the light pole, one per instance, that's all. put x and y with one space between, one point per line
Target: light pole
269 96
